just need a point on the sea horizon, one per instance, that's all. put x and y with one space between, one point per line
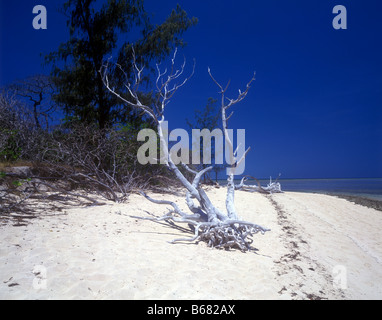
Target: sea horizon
363 187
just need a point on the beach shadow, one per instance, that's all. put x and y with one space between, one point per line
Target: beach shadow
167 224
189 231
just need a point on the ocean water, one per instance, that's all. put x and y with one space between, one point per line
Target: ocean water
369 188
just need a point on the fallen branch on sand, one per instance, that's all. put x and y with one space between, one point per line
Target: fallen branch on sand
272 187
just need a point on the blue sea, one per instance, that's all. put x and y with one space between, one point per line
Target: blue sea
369 188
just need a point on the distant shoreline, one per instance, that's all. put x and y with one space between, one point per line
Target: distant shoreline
361 200
365 191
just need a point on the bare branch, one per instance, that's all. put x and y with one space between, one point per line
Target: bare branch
219 230
189 169
137 104
217 83
199 175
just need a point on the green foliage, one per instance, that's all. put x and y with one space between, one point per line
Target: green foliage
208 118
17 183
158 41
10 151
2 175
94 36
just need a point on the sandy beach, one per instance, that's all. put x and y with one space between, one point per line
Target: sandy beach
319 247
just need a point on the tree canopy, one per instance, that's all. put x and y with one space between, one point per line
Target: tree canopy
208 118
97 33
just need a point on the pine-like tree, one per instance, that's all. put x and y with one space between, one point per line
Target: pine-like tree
95 35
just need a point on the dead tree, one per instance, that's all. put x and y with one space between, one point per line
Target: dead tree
218 229
37 91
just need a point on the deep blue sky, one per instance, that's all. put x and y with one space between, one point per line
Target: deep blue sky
315 109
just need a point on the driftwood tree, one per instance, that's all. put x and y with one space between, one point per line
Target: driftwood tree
272 187
219 229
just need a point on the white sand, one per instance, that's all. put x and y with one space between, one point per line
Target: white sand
319 247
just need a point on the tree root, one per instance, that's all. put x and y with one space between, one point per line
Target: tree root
230 234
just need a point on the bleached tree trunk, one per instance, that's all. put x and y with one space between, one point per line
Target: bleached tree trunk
272 187
218 229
